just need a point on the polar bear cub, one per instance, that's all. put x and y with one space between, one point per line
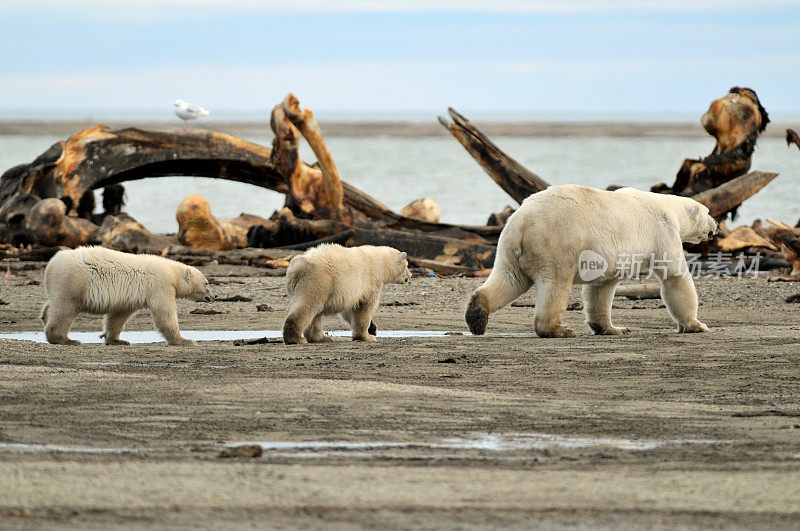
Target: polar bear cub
331 279
546 240
102 281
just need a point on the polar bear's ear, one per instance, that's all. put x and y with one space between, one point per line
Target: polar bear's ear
402 256
693 210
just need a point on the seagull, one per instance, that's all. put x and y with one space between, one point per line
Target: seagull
188 112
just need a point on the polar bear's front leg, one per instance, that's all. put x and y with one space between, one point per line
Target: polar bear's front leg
597 301
552 297
361 319
165 319
58 316
680 297
114 323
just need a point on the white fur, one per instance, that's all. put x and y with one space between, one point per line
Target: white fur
543 239
103 281
331 279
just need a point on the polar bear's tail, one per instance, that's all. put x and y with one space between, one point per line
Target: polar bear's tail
43 315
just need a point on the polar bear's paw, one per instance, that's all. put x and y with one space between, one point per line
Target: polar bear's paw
184 342
477 316
558 331
601 330
692 327
116 342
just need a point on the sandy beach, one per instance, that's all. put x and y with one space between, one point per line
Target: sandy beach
656 429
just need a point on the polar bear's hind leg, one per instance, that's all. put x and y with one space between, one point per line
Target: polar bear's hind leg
58 317
552 297
498 290
314 331
114 323
597 301
680 298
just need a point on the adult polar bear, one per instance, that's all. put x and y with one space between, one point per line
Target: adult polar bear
543 240
102 281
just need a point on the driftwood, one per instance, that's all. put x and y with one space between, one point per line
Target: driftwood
514 178
742 238
639 291
792 138
51 200
100 157
126 234
314 191
735 121
730 195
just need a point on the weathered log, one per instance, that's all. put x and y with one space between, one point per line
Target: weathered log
514 178
124 233
639 291
742 238
444 268
198 227
735 121
310 192
99 156
720 200
327 192
419 245
730 195
792 138
290 230
310 233
47 224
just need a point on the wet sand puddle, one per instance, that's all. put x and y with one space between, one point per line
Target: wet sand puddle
62 449
481 443
496 444
151 336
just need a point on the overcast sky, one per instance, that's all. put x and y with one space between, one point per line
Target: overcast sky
358 57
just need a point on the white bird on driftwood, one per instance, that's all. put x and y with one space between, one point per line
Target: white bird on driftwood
188 112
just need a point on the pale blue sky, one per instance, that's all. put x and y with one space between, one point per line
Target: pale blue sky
498 58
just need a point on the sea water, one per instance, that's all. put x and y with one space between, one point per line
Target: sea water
398 170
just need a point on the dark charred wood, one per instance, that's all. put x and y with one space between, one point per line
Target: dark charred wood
514 178
498 219
445 250
343 238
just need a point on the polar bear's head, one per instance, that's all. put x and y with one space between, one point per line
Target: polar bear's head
195 287
399 267
696 225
